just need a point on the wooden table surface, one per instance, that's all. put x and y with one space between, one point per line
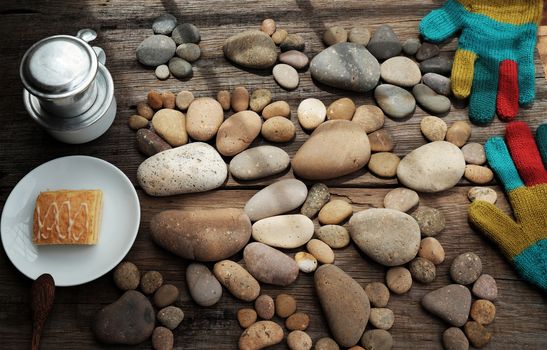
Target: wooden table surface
521 309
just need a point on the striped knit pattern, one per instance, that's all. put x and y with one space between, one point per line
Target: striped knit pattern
494 63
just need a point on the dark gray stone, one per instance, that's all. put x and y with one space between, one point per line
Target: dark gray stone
411 46
440 65
384 43
293 42
430 100
156 50
346 66
180 68
396 102
186 33
164 24
427 50
438 83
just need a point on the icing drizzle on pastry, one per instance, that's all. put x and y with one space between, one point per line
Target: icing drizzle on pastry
53 209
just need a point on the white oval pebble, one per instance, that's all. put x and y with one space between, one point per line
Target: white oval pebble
286 76
284 231
277 198
162 72
311 113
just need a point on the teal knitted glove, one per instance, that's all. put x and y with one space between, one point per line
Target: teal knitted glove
494 62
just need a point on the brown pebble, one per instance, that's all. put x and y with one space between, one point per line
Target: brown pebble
298 340
430 220
432 250
477 334
326 344
260 98
335 35
454 339
265 307
466 268
377 339
183 100
377 293
398 280
223 97
144 110
151 281
246 317
278 129
334 212
422 270
473 153
279 36
478 174
459 133
276 109
384 164
343 108
150 143
166 295
483 311
285 305
485 287
268 26
433 128
240 99
154 100
137 122
168 99
162 339
370 117
356 347
298 321
381 141
321 251
127 276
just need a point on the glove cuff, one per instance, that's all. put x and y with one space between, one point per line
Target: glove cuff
531 264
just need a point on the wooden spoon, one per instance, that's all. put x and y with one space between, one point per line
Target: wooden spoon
43 293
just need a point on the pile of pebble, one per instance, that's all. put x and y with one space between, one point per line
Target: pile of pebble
132 319
170 40
257 49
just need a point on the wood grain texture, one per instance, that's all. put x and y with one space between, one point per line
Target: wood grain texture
121 25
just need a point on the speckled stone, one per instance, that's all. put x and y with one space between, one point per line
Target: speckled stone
401 199
335 236
451 303
318 196
485 287
170 317
164 24
454 339
466 268
430 220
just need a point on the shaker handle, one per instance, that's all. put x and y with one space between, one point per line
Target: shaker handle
101 56
89 35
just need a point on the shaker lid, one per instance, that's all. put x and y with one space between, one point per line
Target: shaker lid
58 66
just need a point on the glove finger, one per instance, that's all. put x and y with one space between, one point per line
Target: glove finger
500 161
442 23
527 77
508 90
497 226
525 153
541 142
482 105
462 72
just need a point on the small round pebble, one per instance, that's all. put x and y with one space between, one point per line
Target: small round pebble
260 98
326 344
240 99
422 270
318 196
335 236
477 334
162 72
458 133
343 108
311 113
438 83
278 129
279 36
166 295
268 26
127 276
189 52
265 307
483 311
377 339
246 317
398 280
482 194
427 50
276 109
154 100
170 317
384 164
432 250
455 339
334 212
285 305
381 141
411 46
183 100
298 321
381 317
430 220
162 339
377 293
151 281
295 59
335 35
306 262
168 99
359 35
164 24
401 199
299 340
137 122
180 68
286 76
485 287
321 251
186 33
223 97
433 128
370 117
473 153
144 110
466 268
478 174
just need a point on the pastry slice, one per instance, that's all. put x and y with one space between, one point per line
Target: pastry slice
67 217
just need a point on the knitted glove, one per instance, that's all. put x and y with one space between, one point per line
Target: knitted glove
495 57
523 175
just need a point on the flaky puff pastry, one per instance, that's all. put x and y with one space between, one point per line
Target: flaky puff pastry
67 217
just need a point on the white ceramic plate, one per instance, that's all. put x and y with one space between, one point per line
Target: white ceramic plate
71 265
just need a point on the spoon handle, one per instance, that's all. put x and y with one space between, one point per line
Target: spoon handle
43 294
